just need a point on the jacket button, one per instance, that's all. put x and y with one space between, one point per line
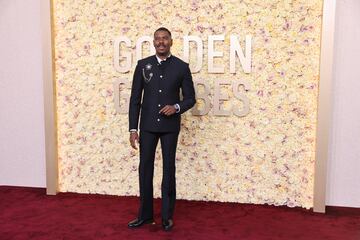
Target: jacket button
160 76
159 105
158 119
160 90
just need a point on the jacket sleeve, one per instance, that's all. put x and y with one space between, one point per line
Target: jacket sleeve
135 98
188 91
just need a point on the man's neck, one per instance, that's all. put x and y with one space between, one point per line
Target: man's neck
163 57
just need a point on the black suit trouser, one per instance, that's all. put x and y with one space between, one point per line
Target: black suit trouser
148 143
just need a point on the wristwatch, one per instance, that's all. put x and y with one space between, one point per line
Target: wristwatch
177 107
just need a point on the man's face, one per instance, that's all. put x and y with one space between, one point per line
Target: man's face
162 43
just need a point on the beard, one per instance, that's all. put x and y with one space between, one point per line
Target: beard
162 50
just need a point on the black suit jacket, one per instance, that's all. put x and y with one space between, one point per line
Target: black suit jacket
156 85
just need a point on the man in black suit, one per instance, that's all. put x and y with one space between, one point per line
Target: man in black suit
155 92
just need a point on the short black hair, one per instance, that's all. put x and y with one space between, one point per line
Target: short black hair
163 29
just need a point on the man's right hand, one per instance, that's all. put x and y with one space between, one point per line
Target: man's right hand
134 137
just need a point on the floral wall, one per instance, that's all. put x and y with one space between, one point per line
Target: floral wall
265 157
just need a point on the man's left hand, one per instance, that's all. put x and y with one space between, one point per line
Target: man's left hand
168 110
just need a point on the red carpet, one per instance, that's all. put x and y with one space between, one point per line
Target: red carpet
27 213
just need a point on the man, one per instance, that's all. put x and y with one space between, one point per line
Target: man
155 91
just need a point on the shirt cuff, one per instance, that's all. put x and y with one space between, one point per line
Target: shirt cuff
133 130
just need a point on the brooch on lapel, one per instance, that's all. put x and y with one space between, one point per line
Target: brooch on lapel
148 68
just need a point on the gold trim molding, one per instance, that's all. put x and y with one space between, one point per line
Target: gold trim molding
48 53
324 105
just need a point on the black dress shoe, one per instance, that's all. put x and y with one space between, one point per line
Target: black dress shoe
167 224
139 222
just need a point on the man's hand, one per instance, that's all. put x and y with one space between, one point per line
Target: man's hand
168 110
134 137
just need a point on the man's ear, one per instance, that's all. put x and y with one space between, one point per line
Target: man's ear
171 42
154 42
